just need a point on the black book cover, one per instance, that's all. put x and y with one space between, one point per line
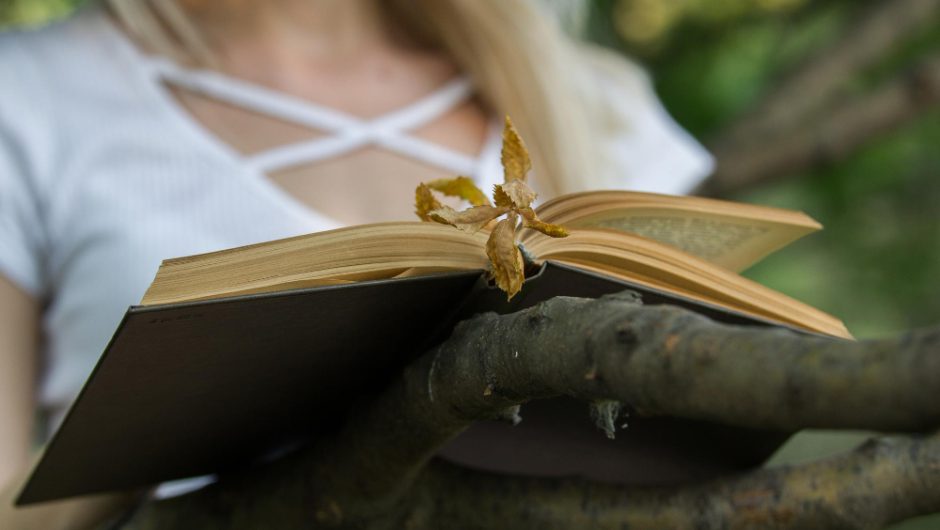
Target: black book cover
204 387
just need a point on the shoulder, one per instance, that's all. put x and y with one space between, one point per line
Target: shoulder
26 108
66 57
52 78
48 50
645 148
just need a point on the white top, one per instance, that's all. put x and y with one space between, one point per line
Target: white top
349 132
103 175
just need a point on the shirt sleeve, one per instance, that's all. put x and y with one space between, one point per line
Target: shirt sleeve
21 233
645 149
22 122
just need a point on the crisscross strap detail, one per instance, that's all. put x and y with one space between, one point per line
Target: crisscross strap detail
349 132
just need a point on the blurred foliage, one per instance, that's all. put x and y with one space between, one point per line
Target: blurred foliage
875 263
33 12
650 24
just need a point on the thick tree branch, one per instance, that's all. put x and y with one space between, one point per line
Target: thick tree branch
655 360
665 360
884 481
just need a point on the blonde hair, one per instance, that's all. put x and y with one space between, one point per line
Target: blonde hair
519 59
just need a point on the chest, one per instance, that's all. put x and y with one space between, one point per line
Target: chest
358 171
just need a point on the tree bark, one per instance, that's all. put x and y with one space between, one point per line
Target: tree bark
374 472
885 480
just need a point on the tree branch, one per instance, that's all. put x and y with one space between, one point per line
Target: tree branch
884 481
655 360
667 361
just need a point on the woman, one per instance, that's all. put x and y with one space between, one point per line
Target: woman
143 130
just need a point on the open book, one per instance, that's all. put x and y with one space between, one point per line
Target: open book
238 355
687 246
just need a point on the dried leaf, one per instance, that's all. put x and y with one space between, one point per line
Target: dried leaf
425 202
515 156
514 197
505 257
470 220
462 187
515 193
530 220
500 197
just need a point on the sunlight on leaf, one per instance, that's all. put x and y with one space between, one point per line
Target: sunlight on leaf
425 202
515 156
470 220
505 256
462 187
514 193
530 220
500 197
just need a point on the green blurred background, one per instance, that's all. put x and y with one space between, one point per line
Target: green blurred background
874 263
712 60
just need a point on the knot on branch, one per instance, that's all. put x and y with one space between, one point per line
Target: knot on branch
511 415
631 297
537 317
605 414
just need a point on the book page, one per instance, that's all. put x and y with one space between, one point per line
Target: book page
351 254
730 234
651 263
732 243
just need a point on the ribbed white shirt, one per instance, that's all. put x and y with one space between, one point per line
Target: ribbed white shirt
102 176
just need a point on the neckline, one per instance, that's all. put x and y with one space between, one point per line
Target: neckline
346 132
187 125
138 62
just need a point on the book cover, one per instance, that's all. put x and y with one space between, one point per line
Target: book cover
208 386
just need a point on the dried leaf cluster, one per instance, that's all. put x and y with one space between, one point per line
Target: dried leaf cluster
513 198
